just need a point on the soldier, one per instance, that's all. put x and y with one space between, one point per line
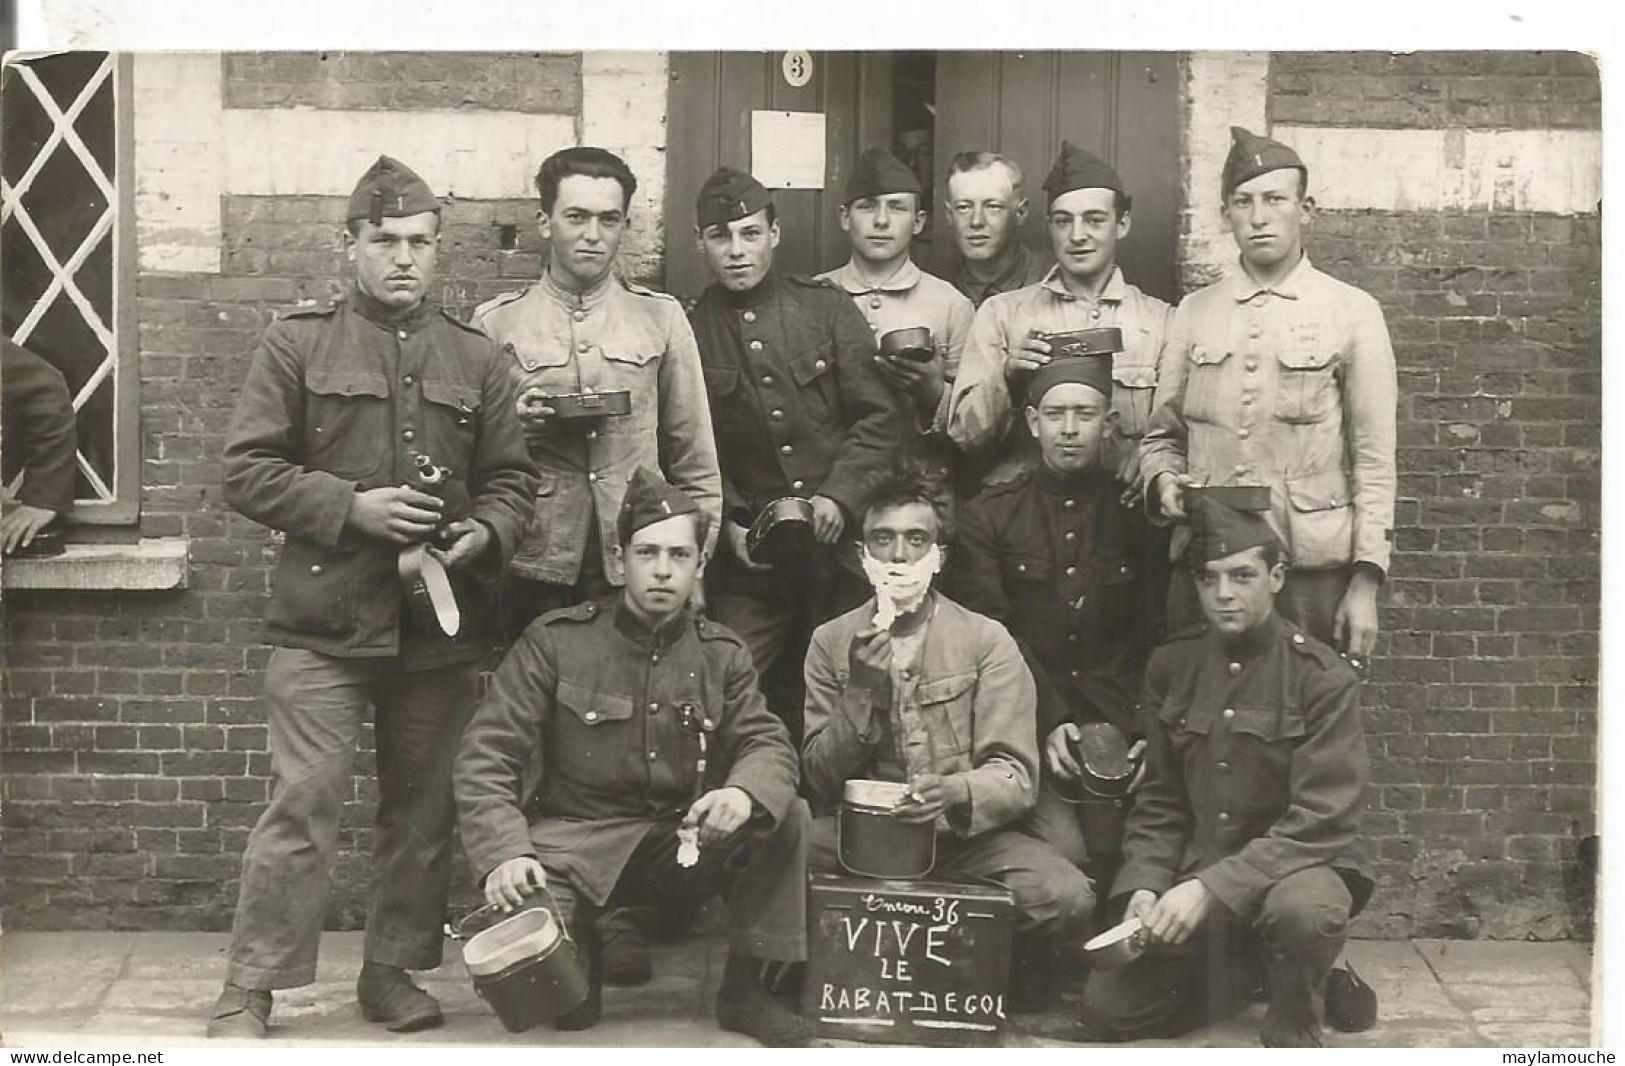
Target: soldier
1282 376
910 686
881 216
1057 557
1089 212
1238 850
986 206
799 410
583 326
553 787
39 439
337 404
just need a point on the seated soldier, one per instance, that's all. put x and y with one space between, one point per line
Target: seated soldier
1058 558
913 687
1237 855
617 729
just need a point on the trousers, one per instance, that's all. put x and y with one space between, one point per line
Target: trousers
316 706
1172 989
760 872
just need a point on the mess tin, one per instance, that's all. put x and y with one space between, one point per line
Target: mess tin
873 842
429 595
1103 340
1117 946
1102 751
912 343
782 532
572 405
526 966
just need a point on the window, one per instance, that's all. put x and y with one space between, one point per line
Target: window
66 242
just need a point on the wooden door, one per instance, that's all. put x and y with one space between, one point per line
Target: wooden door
711 97
1124 106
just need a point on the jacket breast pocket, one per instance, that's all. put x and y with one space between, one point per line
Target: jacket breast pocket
1260 752
946 706
1204 383
596 732
1307 389
346 422
720 381
1117 585
534 357
451 415
811 371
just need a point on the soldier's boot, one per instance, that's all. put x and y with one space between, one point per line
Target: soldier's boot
745 1006
625 951
1296 1004
388 997
1033 964
240 1014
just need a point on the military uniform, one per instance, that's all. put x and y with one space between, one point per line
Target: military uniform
39 430
1291 386
1256 776
337 401
1026 268
799 410
616 335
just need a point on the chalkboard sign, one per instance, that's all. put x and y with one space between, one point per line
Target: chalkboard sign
908 962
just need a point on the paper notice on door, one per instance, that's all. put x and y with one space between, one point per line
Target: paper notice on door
787 149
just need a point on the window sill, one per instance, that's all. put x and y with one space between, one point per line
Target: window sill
151 564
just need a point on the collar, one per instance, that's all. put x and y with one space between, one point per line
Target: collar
387 317
903 279
1078 484
762 293
570 299
1257 640
638 632
1244 287
1003 283
1113 292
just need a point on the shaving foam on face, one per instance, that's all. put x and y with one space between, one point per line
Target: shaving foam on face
899 587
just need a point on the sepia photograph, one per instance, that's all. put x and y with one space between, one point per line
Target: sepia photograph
1009 548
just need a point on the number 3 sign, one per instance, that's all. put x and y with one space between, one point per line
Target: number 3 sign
798 68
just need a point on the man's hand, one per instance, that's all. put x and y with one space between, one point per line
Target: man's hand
1032 353
923 381
1180 910
534 412
1171 495
1058 751
1354 627
719 814
1140 905
20 525
931 795
471 539
403 515
827 520
509 884
734 534
869 659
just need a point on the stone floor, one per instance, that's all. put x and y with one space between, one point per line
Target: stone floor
154 989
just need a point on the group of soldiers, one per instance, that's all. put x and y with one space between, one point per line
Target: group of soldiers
1075 507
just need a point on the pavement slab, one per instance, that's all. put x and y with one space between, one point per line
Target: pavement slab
1505 962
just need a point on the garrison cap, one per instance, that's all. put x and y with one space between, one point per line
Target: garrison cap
390 189
878 173
1083 356
649 499
727 196
1227 519
1078 168
1252 155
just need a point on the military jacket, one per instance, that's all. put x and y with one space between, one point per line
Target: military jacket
1257 765
591 733
39 431
616 335
1028 268
338 401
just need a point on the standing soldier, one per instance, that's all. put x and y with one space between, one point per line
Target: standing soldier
1281 376
337 405
799 410
987 205
881 216
1239 850
584 328
1089 212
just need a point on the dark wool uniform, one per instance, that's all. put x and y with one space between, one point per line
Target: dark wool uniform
39 429
1256 775
338 401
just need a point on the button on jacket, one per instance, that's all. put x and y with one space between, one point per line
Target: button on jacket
1068 568
980 412
1292 387
796 402
338 401
579 749
1257 765
616 335
976 702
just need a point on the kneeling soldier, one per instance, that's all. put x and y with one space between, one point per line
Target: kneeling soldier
1238 848
619 727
